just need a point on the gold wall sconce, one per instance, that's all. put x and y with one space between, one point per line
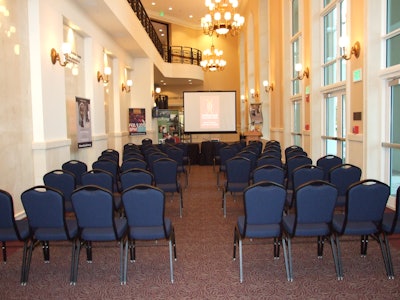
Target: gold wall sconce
127 87
104 77
243 98
55 56
253 93
269 87
298 68
355 50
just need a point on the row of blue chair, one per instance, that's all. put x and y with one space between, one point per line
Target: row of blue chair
315 217
46 222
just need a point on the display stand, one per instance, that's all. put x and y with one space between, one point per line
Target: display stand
252 136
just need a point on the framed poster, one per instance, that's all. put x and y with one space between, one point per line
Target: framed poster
84 132
137 121
256 113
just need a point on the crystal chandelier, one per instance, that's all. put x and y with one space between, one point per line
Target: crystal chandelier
222 18
212 60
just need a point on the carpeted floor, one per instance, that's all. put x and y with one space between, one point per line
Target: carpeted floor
205 269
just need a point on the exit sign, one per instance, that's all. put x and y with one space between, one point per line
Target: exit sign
357 75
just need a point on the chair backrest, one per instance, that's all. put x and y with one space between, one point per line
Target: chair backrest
7 220
133 163
263 203
315 202
176 154
327 162
132 154
147 141
293 147
44 208
144 206
226 153
293 153
269 173
93 207
165 171
238 170
397 212
272 152
112 152
366 201
77 168
100 178
109 166
306 173
343 176
293 163
252 156
153 157
136 176
64 181
269 160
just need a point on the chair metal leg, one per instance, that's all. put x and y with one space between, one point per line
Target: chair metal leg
76 261
339 257
73 257
132 250
122 262
28 258
180 204
89 252
46 251
174 242
285 254
4 248
240 260
276 247
23 267
126 246
224 203
364 245
235 239
290 263
320 241
171 264
335 257
389 256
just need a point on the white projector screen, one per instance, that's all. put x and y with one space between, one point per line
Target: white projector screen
209 112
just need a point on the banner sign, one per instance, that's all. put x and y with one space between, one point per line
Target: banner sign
84 132
137 121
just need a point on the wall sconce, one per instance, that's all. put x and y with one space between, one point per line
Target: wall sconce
269 87
253 93
298 68
243 98
157 91
104 77
127 87
65 50
344 43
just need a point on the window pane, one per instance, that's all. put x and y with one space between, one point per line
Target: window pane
331 117
326 2
297 117
394 170
393 53
393 15
330 74
330 36
295 60
295 17
395 120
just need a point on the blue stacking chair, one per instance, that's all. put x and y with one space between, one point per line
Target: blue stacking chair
136 176
327 162
263 206
391 225
77 168
269 160
145 211
100 226
176 154
110 166
225 153
166 178
45 209
315 204
269 173
293 163
365 205
65 182
237 177
11 229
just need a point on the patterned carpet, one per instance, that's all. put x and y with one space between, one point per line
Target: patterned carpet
205 269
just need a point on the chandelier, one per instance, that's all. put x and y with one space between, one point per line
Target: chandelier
212 60
222 18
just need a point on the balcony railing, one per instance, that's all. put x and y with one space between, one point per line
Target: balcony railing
172 54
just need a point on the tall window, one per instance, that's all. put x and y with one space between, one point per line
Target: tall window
334 22
296 58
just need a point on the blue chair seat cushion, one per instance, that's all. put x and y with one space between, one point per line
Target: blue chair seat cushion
258 230
354 228
105 233
306 229
8 234
150 232
387 222
57 234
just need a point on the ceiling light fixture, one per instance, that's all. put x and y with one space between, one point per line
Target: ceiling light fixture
212 60
222 18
